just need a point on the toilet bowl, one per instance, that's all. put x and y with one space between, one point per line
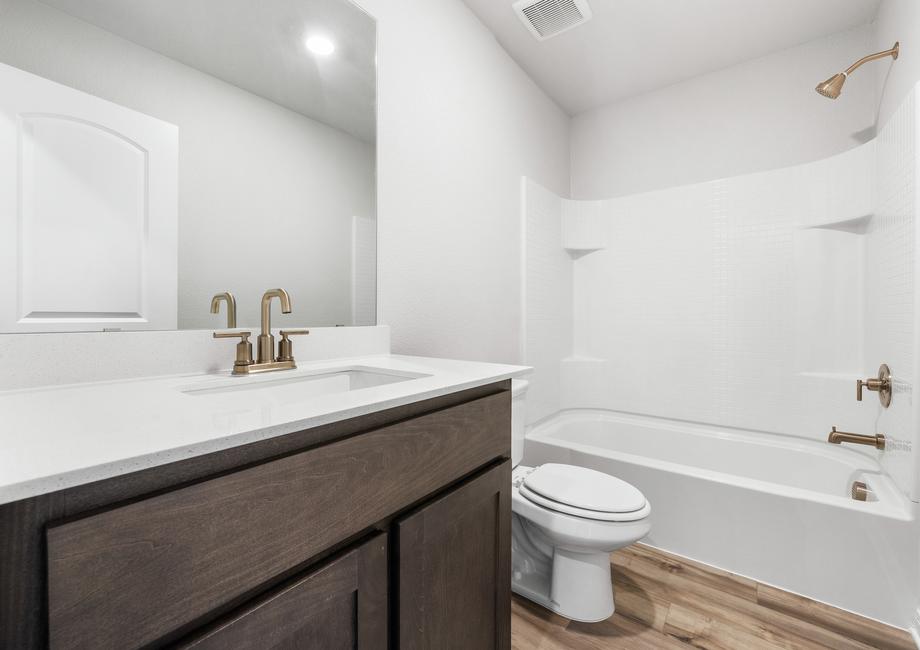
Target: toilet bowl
566 520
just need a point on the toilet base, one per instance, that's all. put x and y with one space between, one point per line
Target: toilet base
582 585
575 585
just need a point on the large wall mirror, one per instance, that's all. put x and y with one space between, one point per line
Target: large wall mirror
155 153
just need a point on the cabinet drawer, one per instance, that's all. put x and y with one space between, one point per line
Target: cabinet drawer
340 606
129 576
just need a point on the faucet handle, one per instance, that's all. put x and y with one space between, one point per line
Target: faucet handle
233 335
285 347
243 350
880 384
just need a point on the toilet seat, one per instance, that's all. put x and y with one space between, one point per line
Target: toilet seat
584 493
594 515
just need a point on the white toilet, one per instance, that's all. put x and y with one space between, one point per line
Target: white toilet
566 520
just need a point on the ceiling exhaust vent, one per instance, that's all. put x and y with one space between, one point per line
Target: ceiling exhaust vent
547 18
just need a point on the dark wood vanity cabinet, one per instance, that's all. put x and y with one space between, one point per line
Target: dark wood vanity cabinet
342 604
454 567
390 530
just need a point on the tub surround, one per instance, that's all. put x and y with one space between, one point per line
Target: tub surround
736 280
60 437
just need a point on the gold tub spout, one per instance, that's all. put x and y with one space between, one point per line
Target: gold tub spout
836 437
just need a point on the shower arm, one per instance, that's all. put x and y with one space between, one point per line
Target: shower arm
893 53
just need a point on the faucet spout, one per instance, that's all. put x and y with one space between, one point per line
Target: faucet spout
282 296
227 297
836 437
266 342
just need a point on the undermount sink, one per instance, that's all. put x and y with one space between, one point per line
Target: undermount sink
300 385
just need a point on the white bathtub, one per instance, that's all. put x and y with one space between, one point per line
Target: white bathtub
776 509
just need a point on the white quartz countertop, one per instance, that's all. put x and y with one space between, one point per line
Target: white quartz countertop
59 437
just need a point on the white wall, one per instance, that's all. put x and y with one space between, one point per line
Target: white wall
459 124
755 116
266 195
897 20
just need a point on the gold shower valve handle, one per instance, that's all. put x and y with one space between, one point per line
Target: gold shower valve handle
285 347
880 385
871 384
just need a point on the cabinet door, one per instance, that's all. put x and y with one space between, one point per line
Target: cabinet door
455 570
342 605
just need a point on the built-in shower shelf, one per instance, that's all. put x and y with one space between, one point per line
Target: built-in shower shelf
854 225
575 253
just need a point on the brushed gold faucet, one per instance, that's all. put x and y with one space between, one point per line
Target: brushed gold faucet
836 437
266 346
227 297
266 360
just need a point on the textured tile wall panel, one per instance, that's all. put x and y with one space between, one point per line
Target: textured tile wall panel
694 304
890 288
547 299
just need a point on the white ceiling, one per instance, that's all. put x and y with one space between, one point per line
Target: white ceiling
633 46
259 46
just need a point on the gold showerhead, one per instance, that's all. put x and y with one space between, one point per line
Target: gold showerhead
833 86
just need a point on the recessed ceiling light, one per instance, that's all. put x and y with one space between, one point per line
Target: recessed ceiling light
320 45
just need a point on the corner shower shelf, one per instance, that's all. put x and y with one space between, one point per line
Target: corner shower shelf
855 225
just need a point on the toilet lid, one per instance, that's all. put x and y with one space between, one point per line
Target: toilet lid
584 489
581 513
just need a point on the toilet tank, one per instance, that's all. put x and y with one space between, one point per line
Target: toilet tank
518 417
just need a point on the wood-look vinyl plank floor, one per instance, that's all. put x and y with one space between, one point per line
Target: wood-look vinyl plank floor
665 601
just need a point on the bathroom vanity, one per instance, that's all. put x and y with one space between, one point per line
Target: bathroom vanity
375 517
